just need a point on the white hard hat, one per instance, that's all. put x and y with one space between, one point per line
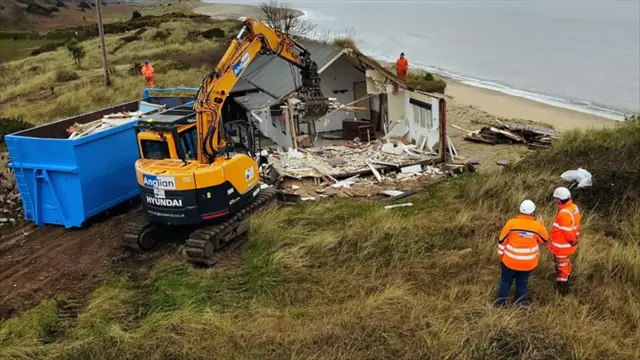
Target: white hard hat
561 193
527 207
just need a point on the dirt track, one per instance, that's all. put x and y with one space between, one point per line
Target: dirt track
37 263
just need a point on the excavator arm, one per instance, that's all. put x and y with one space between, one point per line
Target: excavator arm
254 38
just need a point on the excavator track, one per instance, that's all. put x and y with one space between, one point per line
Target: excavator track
205 244
135 230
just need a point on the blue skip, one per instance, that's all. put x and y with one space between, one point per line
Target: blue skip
66 181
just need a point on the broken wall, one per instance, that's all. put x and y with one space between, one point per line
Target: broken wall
339 76
407 118
420 128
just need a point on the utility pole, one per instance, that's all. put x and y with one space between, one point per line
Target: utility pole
107 79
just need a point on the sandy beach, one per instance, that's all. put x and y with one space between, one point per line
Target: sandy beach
507 106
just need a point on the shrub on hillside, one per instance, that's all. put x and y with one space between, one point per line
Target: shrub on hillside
345 43
64 76
135 69
60 4
12 125
46 48
209 58
135 15
84 5
36 9
54 9
214 33
76 51
161 35
426 82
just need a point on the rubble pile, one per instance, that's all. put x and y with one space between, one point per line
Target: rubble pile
514 133
353 170
10 204
345 160
108 121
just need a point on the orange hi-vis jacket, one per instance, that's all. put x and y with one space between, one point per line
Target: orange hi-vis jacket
565 230
518 245
402 65
147 70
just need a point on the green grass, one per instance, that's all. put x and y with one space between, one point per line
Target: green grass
30 98
19 49
425 81
344 280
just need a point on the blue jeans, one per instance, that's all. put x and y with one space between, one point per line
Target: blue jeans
522 283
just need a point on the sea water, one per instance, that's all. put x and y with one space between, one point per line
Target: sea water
582 55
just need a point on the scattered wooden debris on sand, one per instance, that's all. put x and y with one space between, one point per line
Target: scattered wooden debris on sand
536 137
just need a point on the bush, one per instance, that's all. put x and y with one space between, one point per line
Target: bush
10 126
76 51
135 69
84 5
54 9
135 15
36 9
345 43
60 4
46 48
426 82
209 58
215 33
161 35
64 76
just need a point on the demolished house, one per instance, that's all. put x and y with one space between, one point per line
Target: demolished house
382 135
377 102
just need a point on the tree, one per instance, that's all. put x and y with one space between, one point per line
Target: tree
284 18
76 52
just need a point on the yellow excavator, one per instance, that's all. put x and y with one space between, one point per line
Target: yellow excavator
194 182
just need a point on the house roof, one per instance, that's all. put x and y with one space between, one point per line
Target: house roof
273 76
255 100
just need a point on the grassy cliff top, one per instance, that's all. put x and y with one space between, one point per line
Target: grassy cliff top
344 280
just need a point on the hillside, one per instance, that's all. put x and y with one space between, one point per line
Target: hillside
45 15
344 280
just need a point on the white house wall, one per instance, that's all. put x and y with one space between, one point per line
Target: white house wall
274 132
415 129
339 76
396 106
265 124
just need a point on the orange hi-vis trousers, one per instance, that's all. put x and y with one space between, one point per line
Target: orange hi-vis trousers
563 267
149 80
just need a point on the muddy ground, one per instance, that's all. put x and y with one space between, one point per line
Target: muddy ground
38 263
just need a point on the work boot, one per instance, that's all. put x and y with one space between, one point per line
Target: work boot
562 287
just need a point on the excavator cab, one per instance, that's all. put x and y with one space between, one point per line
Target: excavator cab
171 134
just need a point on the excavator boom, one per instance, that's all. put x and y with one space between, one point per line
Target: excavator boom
254 38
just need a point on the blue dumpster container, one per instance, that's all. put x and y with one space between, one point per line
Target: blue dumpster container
67 181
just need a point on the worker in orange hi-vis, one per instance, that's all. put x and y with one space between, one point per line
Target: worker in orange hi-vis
564 237
518 250
402 65
147 72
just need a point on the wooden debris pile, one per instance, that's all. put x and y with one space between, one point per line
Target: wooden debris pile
353 170
535 137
